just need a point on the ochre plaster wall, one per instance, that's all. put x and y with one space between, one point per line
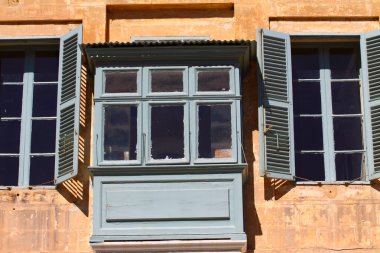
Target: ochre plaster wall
279 216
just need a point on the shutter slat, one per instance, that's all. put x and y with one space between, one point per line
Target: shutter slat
69 95
370 53
276 91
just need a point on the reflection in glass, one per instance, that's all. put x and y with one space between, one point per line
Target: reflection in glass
344 63
46 66
167 132
41 170
345 97
10 100
9 170
166 80
11 66
10 136
306 98
120 132
44 100
43 136
214 131
310 167
214 80
348 133
349 167
305 63
308 133
121 81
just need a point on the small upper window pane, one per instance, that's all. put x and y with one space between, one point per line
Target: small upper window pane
121 81
12 66
213 80
305 63
166 80
214 131
344 63
46 66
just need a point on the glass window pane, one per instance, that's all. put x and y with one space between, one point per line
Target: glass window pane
11 66
41 170
214 136
120 132
121 81
308 133
344 63
214 80
44 100
166 80
10 136
348 133
167 132
9 170
345 97
305 63
349 167
306 98
43 136
310 167
46 66
10 100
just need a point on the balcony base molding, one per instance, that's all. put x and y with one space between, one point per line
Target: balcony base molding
221 246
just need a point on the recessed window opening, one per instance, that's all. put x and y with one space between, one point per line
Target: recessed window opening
327 111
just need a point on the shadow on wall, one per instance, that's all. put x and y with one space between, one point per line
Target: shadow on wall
252 224
276 188
76 190
375 184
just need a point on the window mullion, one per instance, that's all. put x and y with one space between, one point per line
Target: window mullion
26 124
328 126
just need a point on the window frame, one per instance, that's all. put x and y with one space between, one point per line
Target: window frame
327 116
234 152
99 109
68 100
26 117
148 88
189 98
287 171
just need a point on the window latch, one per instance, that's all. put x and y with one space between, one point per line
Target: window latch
268 129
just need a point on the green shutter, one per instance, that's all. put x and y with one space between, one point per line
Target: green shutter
66 163
370 53
275 105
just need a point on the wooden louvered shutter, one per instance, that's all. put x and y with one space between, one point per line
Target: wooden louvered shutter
66 162
275 105
370 53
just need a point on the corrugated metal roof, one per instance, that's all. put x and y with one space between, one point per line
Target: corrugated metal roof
167 43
